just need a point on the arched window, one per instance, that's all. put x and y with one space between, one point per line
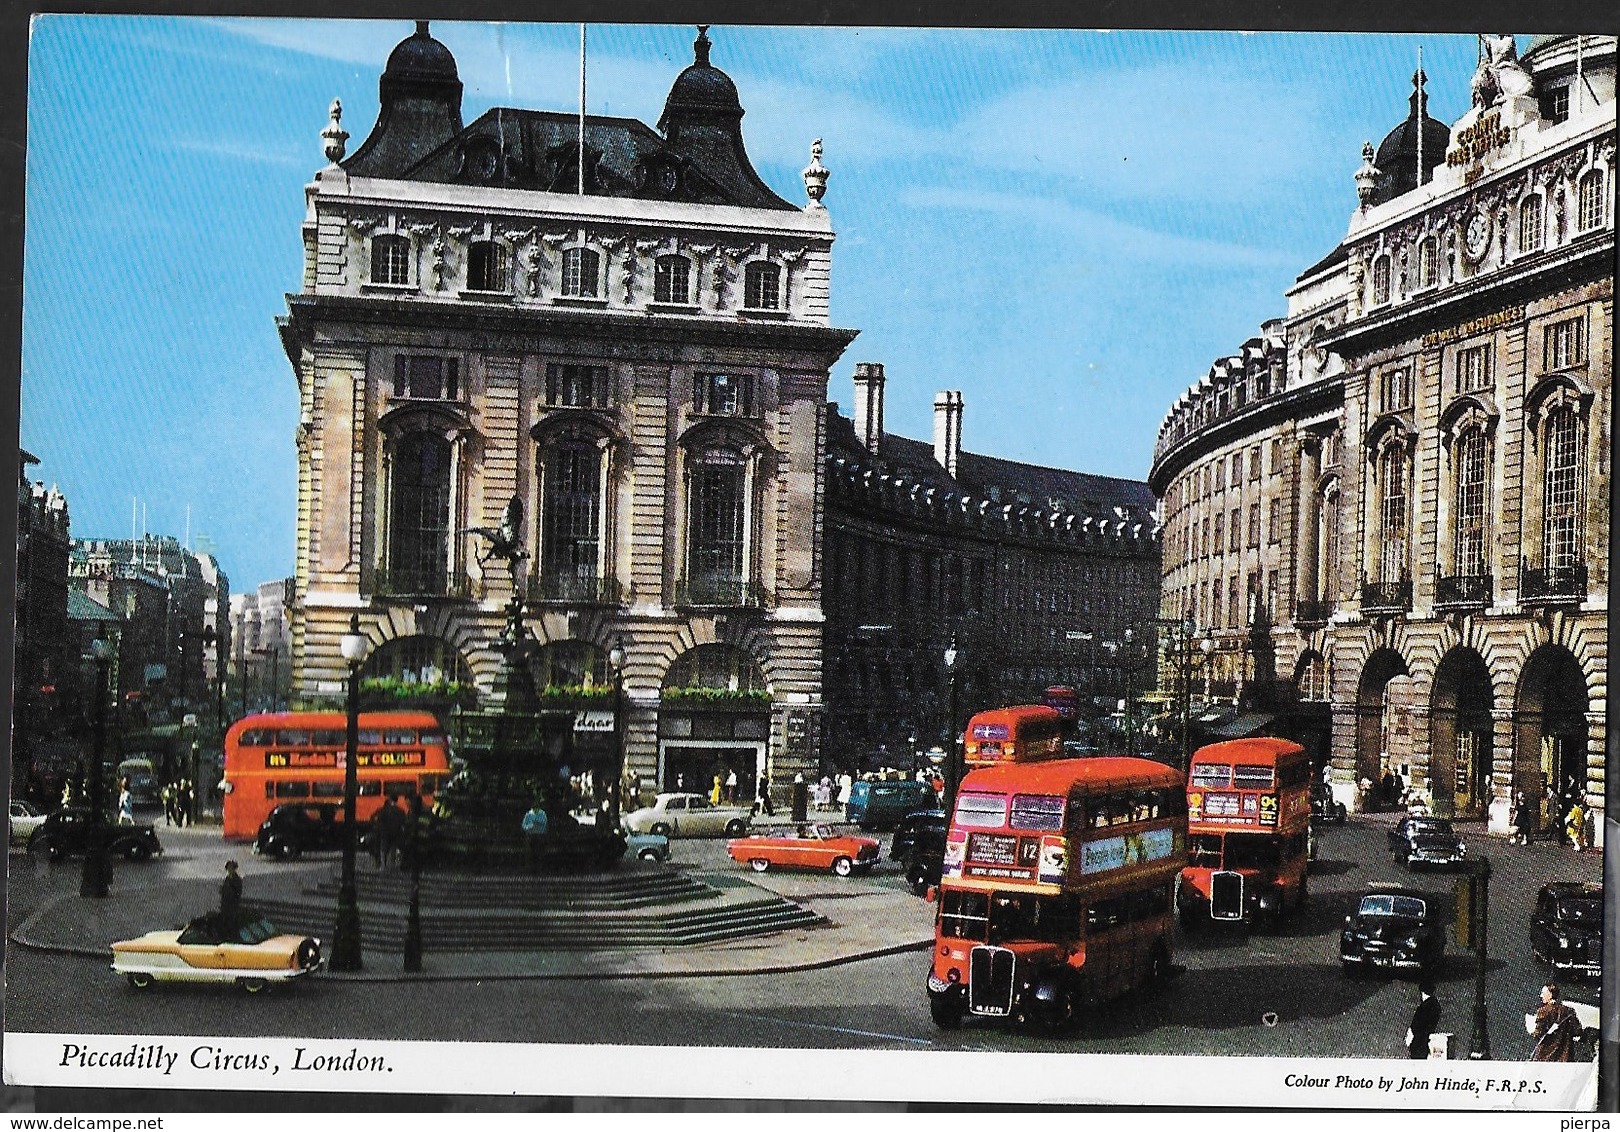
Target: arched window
571 515
1470 499
391 260
581 272
486 267
1313 678
672 280
717 526
570 666
1532 229
1590 214
1327 542
1380 281
419 515
1428 263
1564 491
762 288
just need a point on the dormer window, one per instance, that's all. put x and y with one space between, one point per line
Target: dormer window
582 270
1380 281
1555 104
1428 263
427 377
1396 390
1532 228
486 267
391 260
1474 368
672 280
724 394
762 290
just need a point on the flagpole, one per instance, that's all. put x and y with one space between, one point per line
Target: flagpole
581 109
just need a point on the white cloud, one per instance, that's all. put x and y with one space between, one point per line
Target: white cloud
229 151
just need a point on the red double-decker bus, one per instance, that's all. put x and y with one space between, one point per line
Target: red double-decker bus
1056 891
300 757
1013 734
1248 831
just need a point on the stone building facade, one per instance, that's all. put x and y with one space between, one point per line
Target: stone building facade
1035 573
635 347
45 695
1443 431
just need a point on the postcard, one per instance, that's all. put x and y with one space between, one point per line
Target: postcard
825 563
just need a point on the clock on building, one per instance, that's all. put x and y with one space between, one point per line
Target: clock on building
1477 236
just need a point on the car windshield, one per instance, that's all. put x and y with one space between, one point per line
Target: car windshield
1580 910
1407 907
1431 829
257 931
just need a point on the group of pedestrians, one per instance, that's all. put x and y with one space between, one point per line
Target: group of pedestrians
178 799
1557 1031
1566 813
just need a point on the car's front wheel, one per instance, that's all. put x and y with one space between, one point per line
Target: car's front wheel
843 866
253 986
286 850
759 864
945 1009
736 827
140 980
136 852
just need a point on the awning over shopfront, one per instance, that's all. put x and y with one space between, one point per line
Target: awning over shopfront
1244 725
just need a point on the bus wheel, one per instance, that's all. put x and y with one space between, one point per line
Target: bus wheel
1191 920
946 1010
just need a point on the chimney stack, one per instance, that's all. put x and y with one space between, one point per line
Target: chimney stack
948 429
869 404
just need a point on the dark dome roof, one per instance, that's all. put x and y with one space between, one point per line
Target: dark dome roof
1537 42
701 90
421 57
1397 156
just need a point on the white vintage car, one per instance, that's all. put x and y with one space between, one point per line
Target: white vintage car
689 815
250 953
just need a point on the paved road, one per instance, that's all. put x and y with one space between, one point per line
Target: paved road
1219 1004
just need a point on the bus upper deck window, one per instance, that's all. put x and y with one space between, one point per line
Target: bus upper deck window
330 738
1037 812
1252 777
293 738
983 811
292 790
370 788
329 789
399 738
371 738
257 737
1212 774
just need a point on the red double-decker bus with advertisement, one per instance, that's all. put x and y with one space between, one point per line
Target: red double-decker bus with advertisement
1013 734
1057 889
1248 832
300 757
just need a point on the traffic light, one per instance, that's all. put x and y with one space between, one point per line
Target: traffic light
1467 920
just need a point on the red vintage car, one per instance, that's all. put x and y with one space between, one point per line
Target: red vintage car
809 847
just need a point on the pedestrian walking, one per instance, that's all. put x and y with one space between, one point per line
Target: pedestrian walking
1557 1029
390 822
1424 1020
762 804
1575 826
714 791
846 782
168 803
230 897
731 787
184 800
1523 818
126 804
535 825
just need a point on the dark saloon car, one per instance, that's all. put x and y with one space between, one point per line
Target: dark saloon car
880 805
1324 810
1427 843
921 822
1393 929
67 833
1566 928
919 846
295 828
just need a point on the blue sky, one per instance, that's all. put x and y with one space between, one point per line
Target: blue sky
1067 226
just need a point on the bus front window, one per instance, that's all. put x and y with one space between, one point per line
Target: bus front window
1042 919
964 915
1204 851
1252 851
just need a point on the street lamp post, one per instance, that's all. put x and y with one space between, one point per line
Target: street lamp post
346 942
616 658
413 914
953 753
97 876
1130 671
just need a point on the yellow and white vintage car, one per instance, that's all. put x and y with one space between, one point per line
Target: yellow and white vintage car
249 952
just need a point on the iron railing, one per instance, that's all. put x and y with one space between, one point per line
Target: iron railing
731 593
1461 590
1386 597
420 582
1555 586
1312 612
571 589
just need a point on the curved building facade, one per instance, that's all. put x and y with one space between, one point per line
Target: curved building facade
1441 435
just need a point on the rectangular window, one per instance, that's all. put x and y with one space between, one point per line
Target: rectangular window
1237 468
672 280
1396 389
1564 344
428 378
583 387
1555 104
1276 457
1380 281
762 287
391 260
571 517
981 811
1591 201
1220 531
1392 517
1254 463
1254 525
724 394
1236 530
1274 521
1532 227
1474 368
1203 539
1220 477
1235 603
580 271
1563 492
1468 534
